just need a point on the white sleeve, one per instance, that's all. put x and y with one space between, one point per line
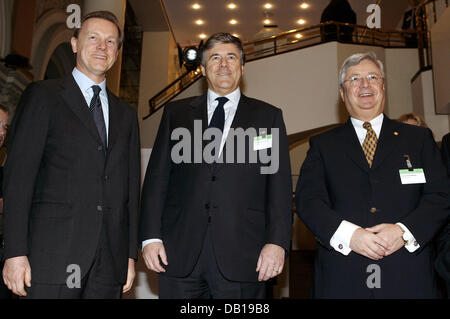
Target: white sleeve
148 241
341 238
411 243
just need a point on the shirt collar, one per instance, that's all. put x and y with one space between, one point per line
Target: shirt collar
233 96
376 123
85 83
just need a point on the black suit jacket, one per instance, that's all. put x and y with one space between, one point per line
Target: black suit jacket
60 187
337 184
247 209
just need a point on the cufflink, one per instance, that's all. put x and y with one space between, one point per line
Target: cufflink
340 246
416 243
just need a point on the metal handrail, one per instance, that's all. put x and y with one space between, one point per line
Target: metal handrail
282 43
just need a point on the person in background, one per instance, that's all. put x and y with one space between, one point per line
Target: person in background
5 293
338 11
413 119
442 262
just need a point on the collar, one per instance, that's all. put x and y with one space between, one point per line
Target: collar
233 96
376 123
85 83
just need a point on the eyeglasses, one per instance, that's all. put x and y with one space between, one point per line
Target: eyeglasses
356 80
217 59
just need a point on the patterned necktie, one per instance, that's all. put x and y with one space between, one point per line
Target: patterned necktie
370 143
97 113
218 118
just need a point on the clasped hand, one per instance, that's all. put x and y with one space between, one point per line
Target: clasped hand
378 241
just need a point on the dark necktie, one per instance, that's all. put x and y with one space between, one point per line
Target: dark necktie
218 118
97 113
370 143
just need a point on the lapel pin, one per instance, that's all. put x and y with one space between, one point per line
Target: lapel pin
395 133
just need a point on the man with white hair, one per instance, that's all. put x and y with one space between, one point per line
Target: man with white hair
374 192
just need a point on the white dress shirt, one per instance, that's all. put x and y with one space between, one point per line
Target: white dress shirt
230 108
340 240
85 84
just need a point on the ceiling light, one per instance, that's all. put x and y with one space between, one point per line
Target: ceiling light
267 21
231 6
202 36
268 6
301 21
233 21
304 5
196 6
298 36
199 22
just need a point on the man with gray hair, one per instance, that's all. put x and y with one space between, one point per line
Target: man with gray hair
374 192
217 229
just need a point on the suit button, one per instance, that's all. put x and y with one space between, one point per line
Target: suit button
373 210
340 246
99 208
100 148
213 178
106 177
207 205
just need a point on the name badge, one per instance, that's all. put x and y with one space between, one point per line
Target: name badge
262 142
415 176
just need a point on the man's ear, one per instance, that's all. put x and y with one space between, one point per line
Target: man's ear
203 70
74 42
342 94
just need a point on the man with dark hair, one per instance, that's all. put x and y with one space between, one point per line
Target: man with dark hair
374 192
72 179
220 226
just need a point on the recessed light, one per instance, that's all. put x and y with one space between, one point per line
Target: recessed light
233 21
231 6
301 21
199 22
304 5
196 6
202 36
267 21
299 36
268 6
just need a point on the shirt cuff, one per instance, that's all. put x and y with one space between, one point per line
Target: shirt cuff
148 241
411 244
341 238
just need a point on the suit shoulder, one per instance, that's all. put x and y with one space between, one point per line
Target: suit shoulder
180 105
262 105
328 134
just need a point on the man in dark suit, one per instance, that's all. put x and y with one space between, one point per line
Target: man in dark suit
71 186
219 225
374 192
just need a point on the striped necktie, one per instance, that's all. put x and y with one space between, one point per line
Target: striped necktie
370 143
96 109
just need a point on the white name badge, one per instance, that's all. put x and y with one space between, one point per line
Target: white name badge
415 176
261 143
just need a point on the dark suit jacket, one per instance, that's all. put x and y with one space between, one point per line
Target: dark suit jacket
337 184
59 184
443 239
248 209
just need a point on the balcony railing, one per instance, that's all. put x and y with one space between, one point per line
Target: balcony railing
289 41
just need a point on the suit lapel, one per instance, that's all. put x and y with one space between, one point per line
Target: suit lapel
350 144
75 100
386 141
